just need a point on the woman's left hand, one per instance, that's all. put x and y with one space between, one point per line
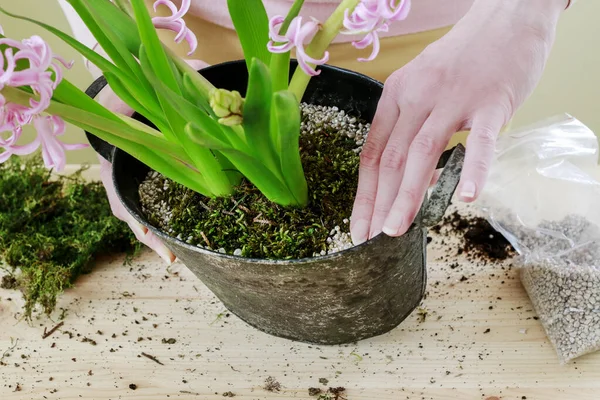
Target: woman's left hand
474 78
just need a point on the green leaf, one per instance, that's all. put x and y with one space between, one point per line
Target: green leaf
193 92
154 115
112 43
171 167
147 137
257 109
179 112
235 176
69 94
124 6
280 62
199 136
262 177
285 124
251 23
185 110
117 52
156 54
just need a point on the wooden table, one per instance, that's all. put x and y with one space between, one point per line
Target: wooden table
479 340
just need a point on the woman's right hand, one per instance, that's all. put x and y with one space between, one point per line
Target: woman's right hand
109 100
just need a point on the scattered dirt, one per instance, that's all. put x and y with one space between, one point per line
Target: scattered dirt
9 282
337 393
271 385
133 386
169 341
228 394
480 240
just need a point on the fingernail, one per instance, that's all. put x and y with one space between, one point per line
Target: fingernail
164 253
393 224
360 231
468 190
138 229
374 233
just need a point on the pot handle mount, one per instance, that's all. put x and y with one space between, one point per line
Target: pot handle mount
101 147
435 207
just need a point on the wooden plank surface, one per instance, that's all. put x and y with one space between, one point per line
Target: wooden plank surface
480 340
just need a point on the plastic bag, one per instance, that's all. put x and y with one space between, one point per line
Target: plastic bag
543 195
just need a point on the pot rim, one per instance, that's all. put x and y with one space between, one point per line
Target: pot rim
295 261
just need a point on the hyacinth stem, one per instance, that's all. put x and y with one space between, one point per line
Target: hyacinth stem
280 62
330 29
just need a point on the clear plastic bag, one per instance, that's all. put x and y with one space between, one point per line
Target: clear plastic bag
543 195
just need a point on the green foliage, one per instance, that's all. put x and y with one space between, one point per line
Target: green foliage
251 23
192 144
51 231
285 128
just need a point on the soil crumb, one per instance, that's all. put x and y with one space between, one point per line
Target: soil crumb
271 385
337 393
9 282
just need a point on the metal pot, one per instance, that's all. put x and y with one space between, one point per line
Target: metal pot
355 294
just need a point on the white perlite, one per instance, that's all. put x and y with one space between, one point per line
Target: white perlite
334 119
148 191
565 289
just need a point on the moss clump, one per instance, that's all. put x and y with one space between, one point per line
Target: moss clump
52 230
260 228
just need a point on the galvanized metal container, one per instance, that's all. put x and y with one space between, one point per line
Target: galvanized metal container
355 294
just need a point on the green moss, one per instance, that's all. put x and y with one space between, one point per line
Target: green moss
52 230
262 229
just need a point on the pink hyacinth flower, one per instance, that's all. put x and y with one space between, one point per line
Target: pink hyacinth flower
176 23
372 17
44 72
42 75
53 150
296 36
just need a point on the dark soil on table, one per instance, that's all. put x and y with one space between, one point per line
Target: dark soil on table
480 241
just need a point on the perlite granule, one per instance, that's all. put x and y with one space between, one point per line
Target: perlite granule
565 288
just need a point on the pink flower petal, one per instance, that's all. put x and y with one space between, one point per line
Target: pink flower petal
176 23
26 149
297 36
275 24
5 156
372 17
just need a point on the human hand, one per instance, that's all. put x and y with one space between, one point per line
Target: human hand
109 100
474 78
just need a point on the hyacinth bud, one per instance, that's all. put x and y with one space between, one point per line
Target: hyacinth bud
227 105
231 120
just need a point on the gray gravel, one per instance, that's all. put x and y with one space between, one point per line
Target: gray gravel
565 288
